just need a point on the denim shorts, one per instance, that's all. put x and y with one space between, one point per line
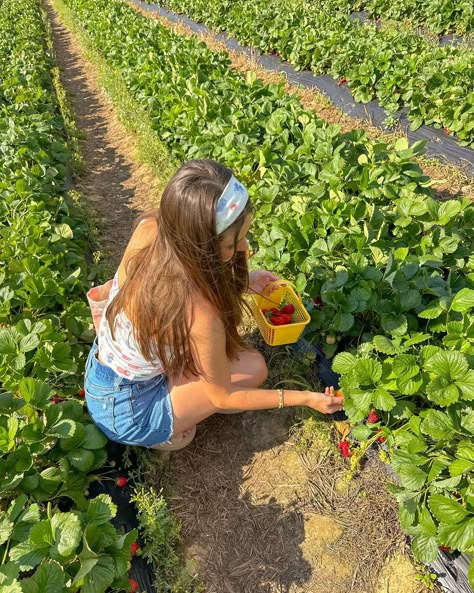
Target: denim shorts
128 412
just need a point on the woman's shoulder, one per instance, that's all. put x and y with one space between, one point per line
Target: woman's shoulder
205 316
143 235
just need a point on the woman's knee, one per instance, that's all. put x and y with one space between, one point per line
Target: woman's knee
259 368
249 369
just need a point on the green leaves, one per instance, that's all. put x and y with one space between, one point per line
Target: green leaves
463 300
367 371
35 392
48 578
101 510
459 536
343 363
437 425
451 378
412 478
446 510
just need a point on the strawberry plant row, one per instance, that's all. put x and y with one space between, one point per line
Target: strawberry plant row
388 270
52 538
396 66
438 16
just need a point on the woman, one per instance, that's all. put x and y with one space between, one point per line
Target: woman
168 352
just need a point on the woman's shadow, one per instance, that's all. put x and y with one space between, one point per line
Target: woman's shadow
236 491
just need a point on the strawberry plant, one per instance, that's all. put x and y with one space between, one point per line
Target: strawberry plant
439 16
80 550
46 448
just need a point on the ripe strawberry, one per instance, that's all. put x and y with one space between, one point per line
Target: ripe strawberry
81 393
317 301
134 548
381 439
288 309
121 481
56 399
339 393
448 131
341 81
277 320
343 447
133 585
372 417
445 548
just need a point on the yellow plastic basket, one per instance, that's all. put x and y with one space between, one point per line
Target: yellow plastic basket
277 335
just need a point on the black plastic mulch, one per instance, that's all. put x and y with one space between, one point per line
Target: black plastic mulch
126 518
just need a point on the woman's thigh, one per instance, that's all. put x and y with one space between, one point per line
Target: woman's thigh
191 404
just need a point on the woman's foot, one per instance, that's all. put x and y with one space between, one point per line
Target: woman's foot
178 441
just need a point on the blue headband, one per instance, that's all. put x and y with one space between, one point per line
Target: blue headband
230 205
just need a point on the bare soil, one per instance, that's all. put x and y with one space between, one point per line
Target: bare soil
112 181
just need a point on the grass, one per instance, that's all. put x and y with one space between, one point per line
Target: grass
158 526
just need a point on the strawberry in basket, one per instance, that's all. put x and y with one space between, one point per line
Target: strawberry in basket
283 316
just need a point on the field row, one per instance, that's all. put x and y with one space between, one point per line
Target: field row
393 64
387 270
439 16
52 537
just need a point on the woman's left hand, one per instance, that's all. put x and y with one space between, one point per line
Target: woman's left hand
260 279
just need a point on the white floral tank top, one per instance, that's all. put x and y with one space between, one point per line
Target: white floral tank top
122 354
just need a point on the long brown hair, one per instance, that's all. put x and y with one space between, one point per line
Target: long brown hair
184 258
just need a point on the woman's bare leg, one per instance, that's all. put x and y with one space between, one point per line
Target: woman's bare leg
190 402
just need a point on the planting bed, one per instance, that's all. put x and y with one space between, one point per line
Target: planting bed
393 64
440 145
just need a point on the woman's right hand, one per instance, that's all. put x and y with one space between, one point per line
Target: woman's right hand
325 403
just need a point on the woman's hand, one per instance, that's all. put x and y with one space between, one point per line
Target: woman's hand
327 404
260 279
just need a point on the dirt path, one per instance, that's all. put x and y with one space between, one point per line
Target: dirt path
112 181
259 513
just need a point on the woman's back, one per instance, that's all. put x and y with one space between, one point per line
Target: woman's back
120 351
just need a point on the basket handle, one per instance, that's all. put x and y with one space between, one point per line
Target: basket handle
281 282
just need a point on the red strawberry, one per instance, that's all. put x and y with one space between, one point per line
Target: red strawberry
133 585
121 481
56 399
448 131
341 81
277 320
372 417
381 439
134 548
81 393
445 548
317 301
289 308
343 447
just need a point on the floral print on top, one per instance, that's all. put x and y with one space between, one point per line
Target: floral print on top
122 354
